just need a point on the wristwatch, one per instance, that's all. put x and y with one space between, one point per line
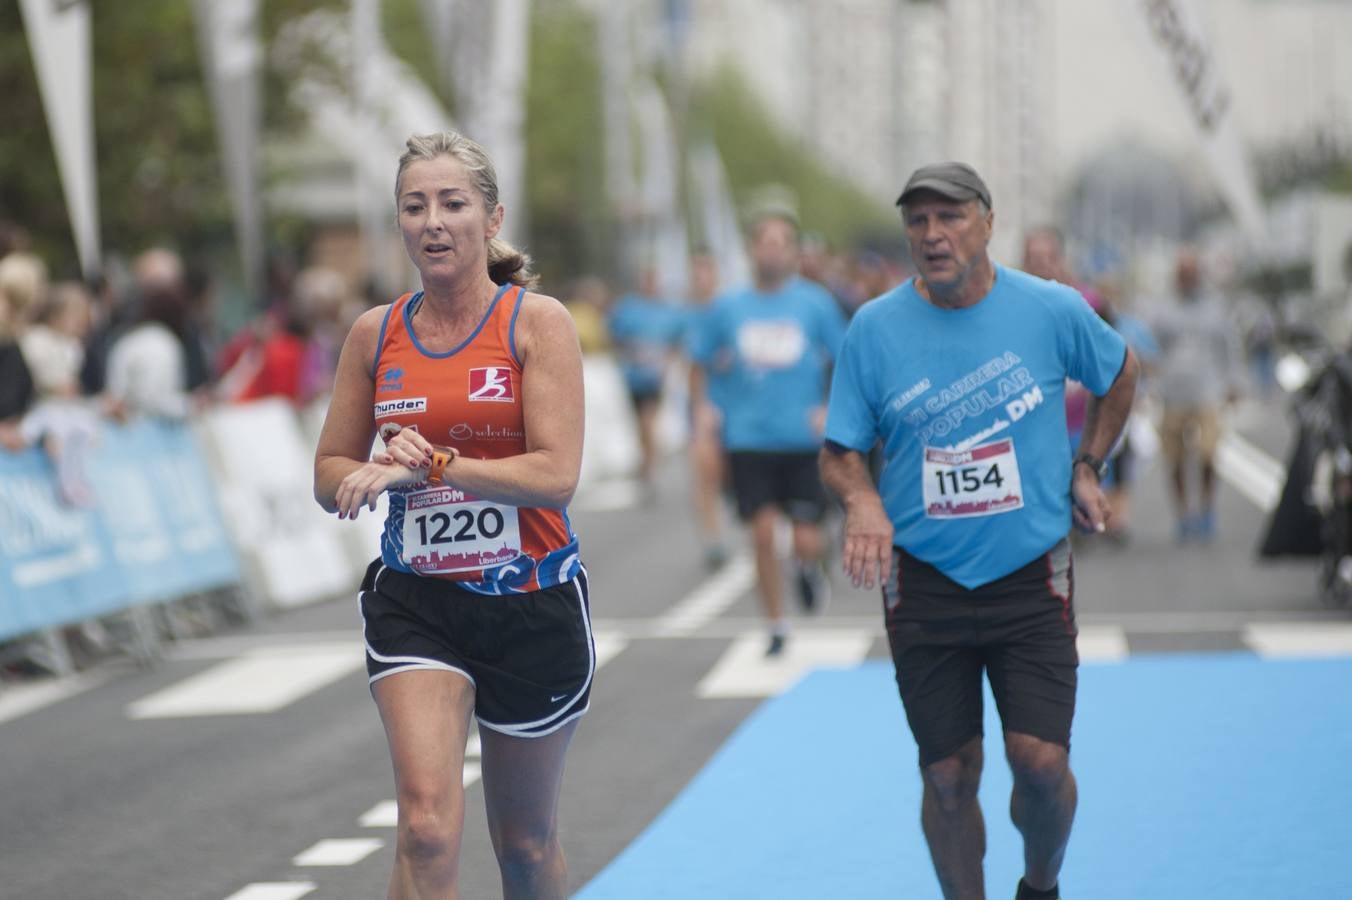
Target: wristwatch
1089 459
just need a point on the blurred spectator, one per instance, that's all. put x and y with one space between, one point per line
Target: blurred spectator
22 278
1199 373
147 371
708 466
1260 341
587 303
1044 255
646 330
264 359
326 306
1136 444
65 424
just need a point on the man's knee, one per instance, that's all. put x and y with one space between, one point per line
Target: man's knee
1037 765
954 780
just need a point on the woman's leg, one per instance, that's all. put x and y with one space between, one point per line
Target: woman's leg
521 778
426 717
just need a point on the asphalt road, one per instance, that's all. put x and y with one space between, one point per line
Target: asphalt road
121 790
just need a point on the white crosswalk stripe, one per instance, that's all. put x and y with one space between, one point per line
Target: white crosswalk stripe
1102 644
339 852
274 890
259 682
1282 640
745 671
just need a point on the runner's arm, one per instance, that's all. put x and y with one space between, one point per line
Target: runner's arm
344 479
1104 419
867 549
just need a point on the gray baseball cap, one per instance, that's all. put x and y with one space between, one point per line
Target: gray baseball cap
954 180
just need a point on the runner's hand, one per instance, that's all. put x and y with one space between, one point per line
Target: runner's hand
1088 503
868 542
363 486
406 448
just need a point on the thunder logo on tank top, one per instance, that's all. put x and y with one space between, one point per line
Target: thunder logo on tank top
468 398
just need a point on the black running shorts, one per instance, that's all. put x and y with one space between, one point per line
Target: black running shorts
1019 631
787 480
529 656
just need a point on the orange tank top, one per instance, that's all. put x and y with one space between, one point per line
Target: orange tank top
468 398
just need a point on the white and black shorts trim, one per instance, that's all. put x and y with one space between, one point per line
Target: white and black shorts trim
530 657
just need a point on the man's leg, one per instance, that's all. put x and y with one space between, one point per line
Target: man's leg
1208 439
954 827
930 632
1173 445
1033 663
769 582
1042 805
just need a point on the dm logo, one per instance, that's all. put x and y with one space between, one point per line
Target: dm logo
492 384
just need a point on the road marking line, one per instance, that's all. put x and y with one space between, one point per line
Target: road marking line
1102 644
1298 641
745 671
608 646
20 700
260 682
339 852
1250 471
608 496
238 645
273 890
710 598
384 814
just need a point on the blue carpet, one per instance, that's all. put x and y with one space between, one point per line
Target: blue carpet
1200 777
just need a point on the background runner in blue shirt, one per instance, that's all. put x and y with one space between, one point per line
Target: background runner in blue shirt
646 332
767 351
960 373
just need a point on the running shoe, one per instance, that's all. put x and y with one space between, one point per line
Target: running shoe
777 642
814 590
1026 893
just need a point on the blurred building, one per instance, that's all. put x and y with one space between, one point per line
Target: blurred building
878 87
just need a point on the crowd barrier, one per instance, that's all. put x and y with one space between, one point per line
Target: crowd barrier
154 533
223 500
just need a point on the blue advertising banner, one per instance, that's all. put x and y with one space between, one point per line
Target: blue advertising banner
154 533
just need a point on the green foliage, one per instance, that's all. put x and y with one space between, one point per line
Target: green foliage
30 188
757 154
1340 180
568 220
405 32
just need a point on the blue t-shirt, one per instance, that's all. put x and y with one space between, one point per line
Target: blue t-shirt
644 331
969 404
697 317
767 358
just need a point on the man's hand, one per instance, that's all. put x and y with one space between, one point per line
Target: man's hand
868 542
1089 504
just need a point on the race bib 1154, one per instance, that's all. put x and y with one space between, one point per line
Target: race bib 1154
980 481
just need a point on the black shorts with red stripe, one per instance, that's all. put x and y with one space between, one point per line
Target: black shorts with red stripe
1019 631
530 657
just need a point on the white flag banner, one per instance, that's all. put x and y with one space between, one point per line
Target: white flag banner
668 250
1174 33
503 109
439 18
58 38
486 64
718 215
232 55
